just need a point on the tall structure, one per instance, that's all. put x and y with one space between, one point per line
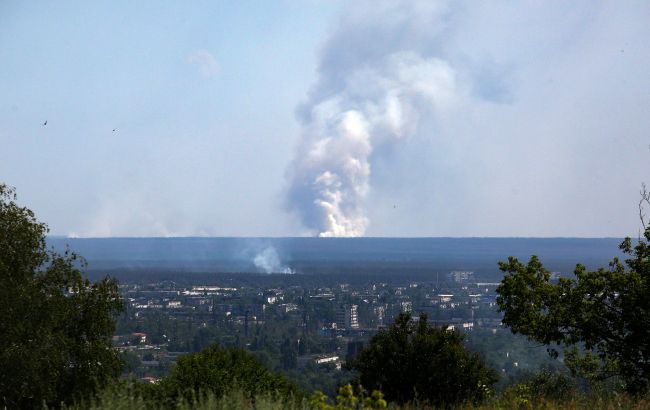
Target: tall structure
380 312
347 317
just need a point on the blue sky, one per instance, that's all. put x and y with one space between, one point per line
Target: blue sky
527 119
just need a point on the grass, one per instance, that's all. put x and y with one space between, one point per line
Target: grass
121 397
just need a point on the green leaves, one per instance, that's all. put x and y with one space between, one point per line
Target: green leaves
55 325
415 360
217 371
602 315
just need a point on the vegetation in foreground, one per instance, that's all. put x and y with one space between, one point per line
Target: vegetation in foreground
413 360
517 397
601 318
55 348
55 326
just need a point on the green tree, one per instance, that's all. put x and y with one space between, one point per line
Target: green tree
55 326
602 317
413 360
218 370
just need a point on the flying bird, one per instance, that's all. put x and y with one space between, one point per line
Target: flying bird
45 123
114 129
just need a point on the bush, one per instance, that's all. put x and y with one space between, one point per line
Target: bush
544 386
218 371
415 361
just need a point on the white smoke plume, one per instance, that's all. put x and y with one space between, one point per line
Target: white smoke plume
268 261
378 79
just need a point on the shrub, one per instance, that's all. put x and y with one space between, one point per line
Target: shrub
413 360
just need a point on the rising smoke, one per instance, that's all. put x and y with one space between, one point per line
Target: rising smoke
379 77
268 261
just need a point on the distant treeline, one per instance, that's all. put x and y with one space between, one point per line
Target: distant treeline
413 258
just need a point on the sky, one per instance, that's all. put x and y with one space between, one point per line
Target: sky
331 118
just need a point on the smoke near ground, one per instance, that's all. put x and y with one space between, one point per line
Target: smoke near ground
268 261
378 81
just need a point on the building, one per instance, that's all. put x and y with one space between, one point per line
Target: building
347 317
461 276
320 360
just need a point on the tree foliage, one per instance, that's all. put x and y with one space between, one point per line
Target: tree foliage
602 317
55 326
413 360
218 370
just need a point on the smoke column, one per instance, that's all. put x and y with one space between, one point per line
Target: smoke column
379 77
